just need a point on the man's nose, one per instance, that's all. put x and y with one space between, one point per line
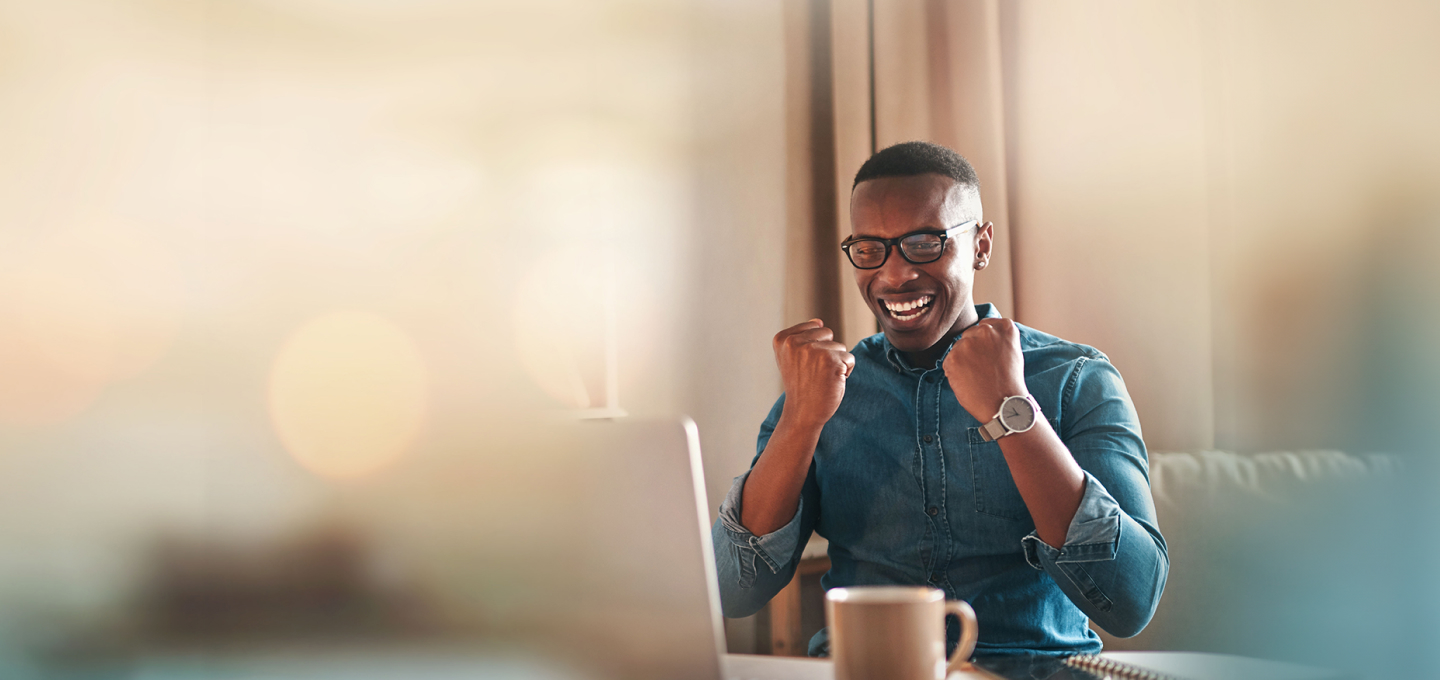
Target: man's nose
897 270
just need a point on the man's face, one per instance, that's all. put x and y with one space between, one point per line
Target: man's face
918 305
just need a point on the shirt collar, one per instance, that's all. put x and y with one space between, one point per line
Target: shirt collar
985 310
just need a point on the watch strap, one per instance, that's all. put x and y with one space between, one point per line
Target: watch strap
993 430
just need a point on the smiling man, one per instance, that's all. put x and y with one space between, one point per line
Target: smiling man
957 449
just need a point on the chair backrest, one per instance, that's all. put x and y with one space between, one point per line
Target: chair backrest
1273 555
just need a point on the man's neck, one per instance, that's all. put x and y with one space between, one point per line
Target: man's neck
925 359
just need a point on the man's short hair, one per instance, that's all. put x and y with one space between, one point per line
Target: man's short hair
907 159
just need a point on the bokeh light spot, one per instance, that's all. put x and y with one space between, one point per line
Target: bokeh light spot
348 394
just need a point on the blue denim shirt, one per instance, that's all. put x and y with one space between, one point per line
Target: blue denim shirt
908 493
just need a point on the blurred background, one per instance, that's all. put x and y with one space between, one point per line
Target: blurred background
259 257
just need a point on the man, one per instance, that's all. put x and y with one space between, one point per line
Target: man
956 449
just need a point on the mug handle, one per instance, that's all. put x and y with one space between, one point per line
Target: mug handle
969 633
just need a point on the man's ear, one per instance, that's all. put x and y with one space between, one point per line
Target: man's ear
984 240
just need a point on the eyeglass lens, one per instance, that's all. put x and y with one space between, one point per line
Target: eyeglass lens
917 248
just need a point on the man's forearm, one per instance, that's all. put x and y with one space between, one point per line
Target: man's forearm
772 492
986 366
1050 481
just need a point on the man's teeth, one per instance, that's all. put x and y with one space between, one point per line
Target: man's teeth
898 309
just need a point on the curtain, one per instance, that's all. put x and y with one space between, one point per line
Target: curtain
861 76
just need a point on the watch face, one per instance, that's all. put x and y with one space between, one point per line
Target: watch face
1017 414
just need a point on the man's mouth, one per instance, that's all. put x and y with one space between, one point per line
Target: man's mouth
908 310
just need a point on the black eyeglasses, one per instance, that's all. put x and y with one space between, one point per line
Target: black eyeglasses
920 247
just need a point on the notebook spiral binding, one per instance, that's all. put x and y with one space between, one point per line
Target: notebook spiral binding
1107 668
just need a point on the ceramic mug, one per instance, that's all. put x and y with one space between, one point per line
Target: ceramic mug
895 632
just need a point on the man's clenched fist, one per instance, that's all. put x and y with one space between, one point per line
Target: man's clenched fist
813 367
985 366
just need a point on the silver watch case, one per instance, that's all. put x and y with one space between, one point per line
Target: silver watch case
1013 412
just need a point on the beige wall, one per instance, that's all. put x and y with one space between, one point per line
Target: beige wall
1325 184
1205 191
1105 117
184 191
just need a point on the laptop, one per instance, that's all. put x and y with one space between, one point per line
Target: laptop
651 596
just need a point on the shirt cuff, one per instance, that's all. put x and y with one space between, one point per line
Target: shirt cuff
1093 535
776 548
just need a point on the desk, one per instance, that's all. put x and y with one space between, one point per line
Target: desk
435 664
756 667
1196 665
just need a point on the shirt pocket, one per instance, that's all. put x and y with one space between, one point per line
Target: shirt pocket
995 492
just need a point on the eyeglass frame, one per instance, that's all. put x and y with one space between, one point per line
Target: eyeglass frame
894 243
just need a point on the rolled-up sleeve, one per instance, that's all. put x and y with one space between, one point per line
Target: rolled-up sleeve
752 569
1114 562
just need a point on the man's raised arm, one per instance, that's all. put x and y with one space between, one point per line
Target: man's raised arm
765 528
813 368
1088 494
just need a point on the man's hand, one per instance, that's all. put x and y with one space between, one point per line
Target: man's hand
985 366
813 368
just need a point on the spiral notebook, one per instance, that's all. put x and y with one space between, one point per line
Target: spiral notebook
1100 666
1150 666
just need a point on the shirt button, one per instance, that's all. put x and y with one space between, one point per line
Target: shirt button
934 578
932 511
928 439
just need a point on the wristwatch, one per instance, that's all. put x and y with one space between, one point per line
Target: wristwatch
1017 414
